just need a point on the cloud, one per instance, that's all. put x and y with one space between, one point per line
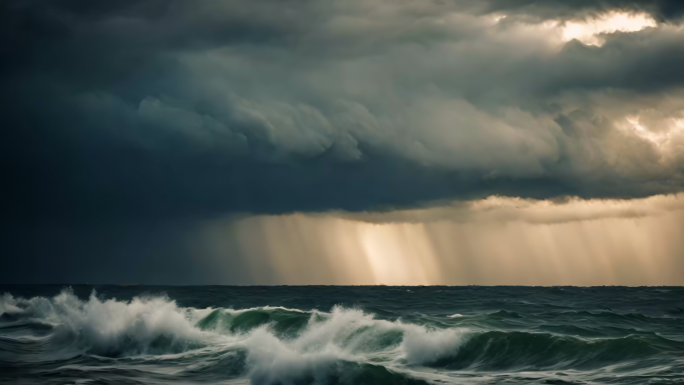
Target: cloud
153 110
496 241
664 10
497 209
590 31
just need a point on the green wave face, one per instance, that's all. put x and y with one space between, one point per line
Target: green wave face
494 351
284 323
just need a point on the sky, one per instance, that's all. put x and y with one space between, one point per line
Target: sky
488 142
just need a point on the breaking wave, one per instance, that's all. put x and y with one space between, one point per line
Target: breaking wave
277 345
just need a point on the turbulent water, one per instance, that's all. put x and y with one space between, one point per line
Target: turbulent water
341 335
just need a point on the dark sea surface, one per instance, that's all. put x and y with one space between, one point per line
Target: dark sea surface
341 335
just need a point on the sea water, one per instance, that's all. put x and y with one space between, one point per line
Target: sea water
341 335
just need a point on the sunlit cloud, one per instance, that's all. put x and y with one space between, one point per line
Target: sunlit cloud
589 31
497 209
671 130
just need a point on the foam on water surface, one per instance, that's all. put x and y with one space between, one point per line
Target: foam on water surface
150 338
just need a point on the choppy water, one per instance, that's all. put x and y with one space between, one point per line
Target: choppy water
341 335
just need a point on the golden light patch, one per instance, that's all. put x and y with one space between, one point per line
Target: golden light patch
589 31
661 138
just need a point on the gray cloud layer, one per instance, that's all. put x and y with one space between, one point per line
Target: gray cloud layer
173 109
664 10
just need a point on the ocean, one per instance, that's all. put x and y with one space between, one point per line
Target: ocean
83 334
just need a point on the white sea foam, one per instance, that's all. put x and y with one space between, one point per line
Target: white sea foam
266 308
421 346
273 360
343 335
346 335
8 305
112 327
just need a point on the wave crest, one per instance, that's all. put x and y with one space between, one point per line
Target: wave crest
275 345
109 327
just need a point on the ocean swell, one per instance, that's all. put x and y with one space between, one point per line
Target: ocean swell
278 345
267 344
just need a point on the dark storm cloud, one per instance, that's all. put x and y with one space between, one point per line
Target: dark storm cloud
182 109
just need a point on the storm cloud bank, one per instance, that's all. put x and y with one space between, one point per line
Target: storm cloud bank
172 109
130 126
497 241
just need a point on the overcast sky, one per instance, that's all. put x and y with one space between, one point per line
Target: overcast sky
135 130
